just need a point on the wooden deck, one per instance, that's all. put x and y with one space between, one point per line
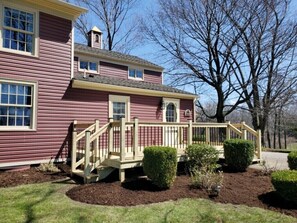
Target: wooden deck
119 145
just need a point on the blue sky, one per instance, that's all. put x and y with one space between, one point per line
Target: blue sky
149 51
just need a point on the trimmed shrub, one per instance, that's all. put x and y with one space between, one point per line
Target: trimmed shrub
160 165
285 183
292 160
238 153
201 138
202 156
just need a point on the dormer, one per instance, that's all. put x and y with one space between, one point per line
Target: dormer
95 38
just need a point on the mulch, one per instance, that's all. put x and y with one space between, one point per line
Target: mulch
249 188
31 175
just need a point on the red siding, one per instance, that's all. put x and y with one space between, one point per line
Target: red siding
113 70
51 70
153 76
121 71
184 105
146 108
58 103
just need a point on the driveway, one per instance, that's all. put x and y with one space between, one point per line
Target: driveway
273 160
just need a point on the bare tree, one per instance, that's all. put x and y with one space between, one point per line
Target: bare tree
198 37
113 16
268 46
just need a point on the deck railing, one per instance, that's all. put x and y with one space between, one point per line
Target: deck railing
92 144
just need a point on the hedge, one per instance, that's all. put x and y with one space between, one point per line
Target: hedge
292 160
285 183
160 165
238 153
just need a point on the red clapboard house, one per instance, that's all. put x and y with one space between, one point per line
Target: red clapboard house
65 101
47 81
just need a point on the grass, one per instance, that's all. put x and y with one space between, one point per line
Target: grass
47 202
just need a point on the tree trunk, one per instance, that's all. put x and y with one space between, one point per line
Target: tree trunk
274 131
268 138
279 132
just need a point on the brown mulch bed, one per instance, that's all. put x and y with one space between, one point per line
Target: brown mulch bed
249 188
31 175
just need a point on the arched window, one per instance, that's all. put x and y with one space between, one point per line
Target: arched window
171 115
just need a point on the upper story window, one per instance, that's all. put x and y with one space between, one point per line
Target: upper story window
16 105
135 73
88 66
18 31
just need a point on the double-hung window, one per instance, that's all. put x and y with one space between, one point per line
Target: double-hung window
119 107
135 74
88 66
18 33
16 105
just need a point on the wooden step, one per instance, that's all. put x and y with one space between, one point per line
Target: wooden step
101 173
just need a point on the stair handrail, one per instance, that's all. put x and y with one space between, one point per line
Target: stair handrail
82 134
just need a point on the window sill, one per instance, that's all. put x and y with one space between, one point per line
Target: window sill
6 129
135 79
6 50
88 72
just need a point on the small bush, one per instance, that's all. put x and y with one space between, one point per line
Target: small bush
48 167
292 160
202 156
285 183
238 153
201 138
160 165
206 180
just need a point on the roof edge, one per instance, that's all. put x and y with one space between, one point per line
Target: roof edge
123 89
151 67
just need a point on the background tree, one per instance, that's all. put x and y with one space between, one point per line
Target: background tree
268 61
114 18
196 34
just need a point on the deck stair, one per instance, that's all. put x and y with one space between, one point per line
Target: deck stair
98 150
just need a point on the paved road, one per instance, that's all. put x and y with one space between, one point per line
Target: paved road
274 160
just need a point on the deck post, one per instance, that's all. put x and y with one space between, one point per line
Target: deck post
259 144
122 139
135 138
190 132
244 135
122 175
207 135
87 156
96 154
110 136
74 147
228 131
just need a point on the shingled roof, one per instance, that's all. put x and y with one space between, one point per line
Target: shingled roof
129 83
80 48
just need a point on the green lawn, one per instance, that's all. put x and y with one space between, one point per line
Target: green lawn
47 202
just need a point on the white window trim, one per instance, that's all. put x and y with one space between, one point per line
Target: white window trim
176 102
34 108
119 98
88 60
136 78
36 29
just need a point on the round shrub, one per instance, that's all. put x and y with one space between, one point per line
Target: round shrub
285 183
238 153
292 160
202 156
160 165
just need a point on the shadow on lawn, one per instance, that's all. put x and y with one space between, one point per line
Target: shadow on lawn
29 211
273 199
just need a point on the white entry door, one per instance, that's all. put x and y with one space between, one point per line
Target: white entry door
171 115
